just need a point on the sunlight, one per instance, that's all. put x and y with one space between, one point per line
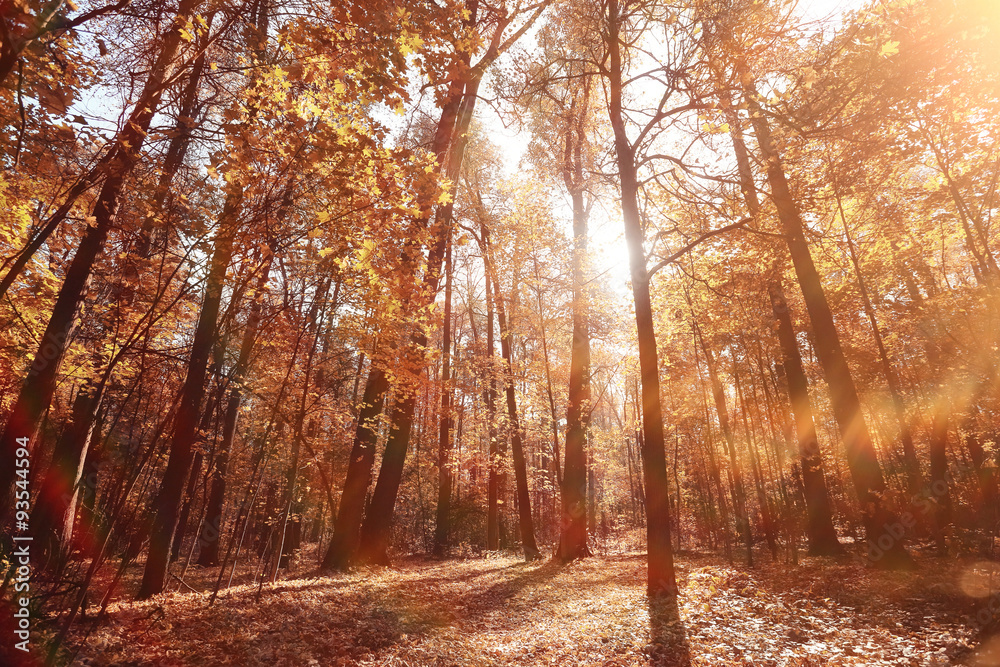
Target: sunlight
319 344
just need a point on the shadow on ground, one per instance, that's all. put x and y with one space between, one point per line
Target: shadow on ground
669 645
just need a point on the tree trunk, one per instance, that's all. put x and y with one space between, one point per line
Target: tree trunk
661 580
286 546
526 522
939 493
189 495
346 539
167 503
40 382
913 476
573 524
763 502
442 526
885 531
347 529
821 533
739 488
54 511
212 528
450 141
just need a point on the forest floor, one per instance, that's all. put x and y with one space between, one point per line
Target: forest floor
500 611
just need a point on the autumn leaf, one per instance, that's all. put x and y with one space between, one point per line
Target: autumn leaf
889 48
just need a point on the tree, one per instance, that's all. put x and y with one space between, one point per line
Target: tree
660 571
39 384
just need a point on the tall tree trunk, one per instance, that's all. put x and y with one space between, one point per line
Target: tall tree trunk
763 502
167 503
189 496
490 390
525 521
375 530
821 533
40 382
885 531
553 417
661 580
913 475
314 320
347 529
211 530
739 488
715 474
442 526
449 143
54 511
346 538
573 524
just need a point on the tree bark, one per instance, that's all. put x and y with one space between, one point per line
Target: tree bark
39 384
442 526
739 487
167 503
525 520
913 476
54 511
347 529
490 391
573 524
346 540
661 580
885 531
822 536
212 528
820 530
450 141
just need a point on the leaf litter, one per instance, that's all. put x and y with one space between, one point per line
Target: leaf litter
500 611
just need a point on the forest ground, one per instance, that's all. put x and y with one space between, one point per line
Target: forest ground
500 611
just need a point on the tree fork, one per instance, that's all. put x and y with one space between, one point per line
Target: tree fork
661 580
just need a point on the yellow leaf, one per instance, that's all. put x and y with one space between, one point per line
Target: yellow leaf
445 198
889 48
325 251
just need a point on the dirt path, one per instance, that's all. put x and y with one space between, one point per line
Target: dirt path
499 611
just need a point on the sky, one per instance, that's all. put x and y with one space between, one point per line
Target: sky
607 240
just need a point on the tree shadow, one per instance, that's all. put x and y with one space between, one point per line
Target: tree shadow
498 594
669 646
